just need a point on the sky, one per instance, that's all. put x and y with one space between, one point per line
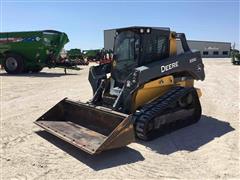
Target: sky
84 21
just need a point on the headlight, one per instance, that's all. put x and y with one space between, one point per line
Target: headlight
128 83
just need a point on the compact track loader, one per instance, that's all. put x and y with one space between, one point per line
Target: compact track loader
147 91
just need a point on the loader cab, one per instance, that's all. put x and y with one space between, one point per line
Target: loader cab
137 46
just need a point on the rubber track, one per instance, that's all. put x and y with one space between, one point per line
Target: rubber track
158 107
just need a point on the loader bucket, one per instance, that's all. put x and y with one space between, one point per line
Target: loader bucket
91 128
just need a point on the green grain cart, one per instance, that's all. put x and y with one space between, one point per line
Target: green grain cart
31 51
92 55
74 54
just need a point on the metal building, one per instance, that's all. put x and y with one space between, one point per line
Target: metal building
208 48
211 49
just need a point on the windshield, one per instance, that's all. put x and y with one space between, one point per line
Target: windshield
125 46
126 52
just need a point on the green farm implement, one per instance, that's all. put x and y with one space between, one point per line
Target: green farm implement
235 57
76 56
32 50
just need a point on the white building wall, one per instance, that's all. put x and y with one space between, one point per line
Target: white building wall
208 48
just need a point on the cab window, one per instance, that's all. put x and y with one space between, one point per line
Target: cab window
155 48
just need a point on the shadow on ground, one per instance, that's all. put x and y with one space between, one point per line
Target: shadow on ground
101 161
40 74
190 138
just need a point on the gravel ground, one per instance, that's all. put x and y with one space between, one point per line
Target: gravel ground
208 149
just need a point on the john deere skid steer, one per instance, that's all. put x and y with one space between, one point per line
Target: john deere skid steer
147 91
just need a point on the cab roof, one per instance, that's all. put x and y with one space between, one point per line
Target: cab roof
141 27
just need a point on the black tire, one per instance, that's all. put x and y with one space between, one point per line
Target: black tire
13 64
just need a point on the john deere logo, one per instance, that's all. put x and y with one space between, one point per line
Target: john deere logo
169 66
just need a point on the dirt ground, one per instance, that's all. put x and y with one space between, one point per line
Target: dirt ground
208 149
